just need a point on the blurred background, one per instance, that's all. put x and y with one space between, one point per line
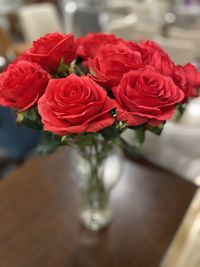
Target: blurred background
174 24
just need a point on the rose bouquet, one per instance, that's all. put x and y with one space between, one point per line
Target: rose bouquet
85 92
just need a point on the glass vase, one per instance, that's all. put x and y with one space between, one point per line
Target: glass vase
99 169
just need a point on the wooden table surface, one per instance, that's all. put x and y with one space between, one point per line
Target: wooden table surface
39 225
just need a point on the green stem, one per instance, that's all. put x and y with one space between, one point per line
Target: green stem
96 193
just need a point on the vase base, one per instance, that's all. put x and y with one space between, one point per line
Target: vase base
95 219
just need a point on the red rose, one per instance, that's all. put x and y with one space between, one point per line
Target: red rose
188 79
112 61
146 96
149 48
48 51
154 55
75 105
193 79
88 45
22 84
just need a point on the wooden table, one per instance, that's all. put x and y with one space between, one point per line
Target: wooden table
39 225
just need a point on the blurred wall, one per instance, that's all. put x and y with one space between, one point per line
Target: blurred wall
40 1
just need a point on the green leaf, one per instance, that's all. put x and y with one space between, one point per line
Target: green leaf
80 70
66 138
62 67
20 117
83 140
30 118
63 138
156 129
48 143
62 71
180 109
110 133
140 135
